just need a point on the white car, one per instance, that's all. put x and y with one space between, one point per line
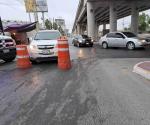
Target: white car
7 48
44 46
122 39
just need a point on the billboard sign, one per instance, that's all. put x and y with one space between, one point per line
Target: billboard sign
36 5
41 6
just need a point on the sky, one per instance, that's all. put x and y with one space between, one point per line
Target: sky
66 9
15 10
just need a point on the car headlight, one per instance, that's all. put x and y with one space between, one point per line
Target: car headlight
33 47
80 41
142 41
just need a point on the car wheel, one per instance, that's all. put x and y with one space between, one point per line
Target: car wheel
34 61
104 45
91 45
9 59
130 46
78 44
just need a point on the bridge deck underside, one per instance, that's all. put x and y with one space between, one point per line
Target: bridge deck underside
123 9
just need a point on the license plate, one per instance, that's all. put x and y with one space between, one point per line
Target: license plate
47 52
87 43
6 51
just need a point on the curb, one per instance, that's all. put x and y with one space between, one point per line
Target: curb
141 71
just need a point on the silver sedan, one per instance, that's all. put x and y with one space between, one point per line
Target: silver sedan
122 39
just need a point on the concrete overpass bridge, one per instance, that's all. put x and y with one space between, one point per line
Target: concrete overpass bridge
93 13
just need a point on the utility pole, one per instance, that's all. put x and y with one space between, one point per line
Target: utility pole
123 24
29 17
36 15
43 18
1 26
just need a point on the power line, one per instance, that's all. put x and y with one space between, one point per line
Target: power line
20 1
7 4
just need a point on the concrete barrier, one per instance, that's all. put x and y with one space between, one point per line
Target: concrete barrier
143 69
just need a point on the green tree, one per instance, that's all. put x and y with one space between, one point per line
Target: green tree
61 30
144 22
48 24
127 28
55 26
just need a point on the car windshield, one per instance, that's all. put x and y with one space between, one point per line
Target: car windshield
84 36
47 36
129 34
79 37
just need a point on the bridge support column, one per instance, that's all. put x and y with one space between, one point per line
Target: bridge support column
75 31
113 17
97 31
134 18
90 20
82 29
78 29
104 26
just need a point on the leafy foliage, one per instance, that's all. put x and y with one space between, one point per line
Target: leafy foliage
55 26
144 22
49 25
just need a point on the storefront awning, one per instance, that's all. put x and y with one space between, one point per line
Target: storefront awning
21 27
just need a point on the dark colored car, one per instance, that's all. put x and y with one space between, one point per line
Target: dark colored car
82 40
7 48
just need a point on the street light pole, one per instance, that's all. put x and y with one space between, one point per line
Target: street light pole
29 17
36 15
43 18
1 26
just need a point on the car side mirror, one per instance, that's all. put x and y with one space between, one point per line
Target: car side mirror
30 39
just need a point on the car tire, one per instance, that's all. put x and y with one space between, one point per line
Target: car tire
33 61
91 45
105 45
78 45
9 59
130 46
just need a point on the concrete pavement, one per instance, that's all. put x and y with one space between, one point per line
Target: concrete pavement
95 91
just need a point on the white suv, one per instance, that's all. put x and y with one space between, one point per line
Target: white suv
7 48
44 46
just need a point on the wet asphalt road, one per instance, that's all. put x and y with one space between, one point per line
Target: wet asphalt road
100 89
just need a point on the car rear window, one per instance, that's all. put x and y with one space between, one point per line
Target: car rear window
84 36
111 35
129 34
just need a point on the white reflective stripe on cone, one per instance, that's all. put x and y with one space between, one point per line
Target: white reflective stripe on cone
20 48
21 57
62 42
63 49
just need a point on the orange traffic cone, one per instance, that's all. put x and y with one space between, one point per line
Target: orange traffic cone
64 62
23 60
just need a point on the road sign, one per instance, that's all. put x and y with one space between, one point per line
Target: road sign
36 5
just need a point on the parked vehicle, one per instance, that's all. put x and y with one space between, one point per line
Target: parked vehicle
122 39
7 48
82 40
44 46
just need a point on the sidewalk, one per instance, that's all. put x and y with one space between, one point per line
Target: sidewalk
143 69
